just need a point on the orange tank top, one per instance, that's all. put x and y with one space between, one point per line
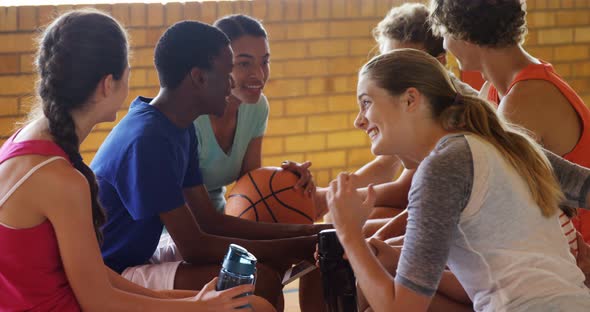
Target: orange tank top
580 154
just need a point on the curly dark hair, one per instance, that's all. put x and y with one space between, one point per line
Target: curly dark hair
409 23
490 23
75 52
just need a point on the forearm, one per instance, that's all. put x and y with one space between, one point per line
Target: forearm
208 249
177 294
380 170
394 228
224 225
391 194
376 283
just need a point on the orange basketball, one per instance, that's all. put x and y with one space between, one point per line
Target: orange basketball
267 195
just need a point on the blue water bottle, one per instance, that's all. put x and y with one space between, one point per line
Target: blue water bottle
238 268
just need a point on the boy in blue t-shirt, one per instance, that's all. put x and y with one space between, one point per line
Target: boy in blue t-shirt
148 176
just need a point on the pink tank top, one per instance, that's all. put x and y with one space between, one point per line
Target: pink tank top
32 276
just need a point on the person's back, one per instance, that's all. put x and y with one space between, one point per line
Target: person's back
32 276
504 243
132 234
574 142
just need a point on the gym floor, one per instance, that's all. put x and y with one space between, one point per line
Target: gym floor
291 292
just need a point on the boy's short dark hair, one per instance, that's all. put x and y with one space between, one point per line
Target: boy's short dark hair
186 45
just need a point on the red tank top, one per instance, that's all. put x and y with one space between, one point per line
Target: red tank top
32 276
580 154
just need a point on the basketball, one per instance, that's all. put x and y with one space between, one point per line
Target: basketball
267 195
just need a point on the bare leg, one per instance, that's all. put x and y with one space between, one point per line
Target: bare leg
268 281
311 293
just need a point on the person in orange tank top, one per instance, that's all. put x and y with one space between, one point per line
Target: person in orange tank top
487 36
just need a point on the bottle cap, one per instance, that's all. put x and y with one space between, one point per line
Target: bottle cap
328 244
239 261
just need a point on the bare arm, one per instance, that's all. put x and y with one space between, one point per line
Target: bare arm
380 170
215 223
196 246
66 203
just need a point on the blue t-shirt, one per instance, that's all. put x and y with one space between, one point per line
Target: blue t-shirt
218 168
141 169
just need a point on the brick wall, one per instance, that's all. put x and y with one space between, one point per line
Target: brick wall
317 47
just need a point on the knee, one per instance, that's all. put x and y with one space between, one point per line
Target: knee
267 275
260 305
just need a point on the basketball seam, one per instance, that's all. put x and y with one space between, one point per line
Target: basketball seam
263 199
281 202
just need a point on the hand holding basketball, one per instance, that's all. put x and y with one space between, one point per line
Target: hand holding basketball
305 181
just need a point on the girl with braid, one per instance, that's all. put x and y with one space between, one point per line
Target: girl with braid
50 217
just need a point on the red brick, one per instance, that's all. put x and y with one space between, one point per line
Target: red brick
323 9
339 8
155 14
9 64
243 7
225 8
121 13
153 35
8 125
350 29
307 9
45 14
26 63
327 48
368 8
285 87
15 85
208 11
21 42
570 53
192 10
277 31
555 36
260 9
541 19
292 10
276 11
137 37
311 30
8 106
27 18
138 14
578 17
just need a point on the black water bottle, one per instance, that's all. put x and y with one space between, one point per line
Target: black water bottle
337 276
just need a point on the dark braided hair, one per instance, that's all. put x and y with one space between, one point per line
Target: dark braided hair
76 52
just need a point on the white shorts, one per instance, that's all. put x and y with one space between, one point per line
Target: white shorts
159 274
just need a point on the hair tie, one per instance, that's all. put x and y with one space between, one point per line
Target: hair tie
458 99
